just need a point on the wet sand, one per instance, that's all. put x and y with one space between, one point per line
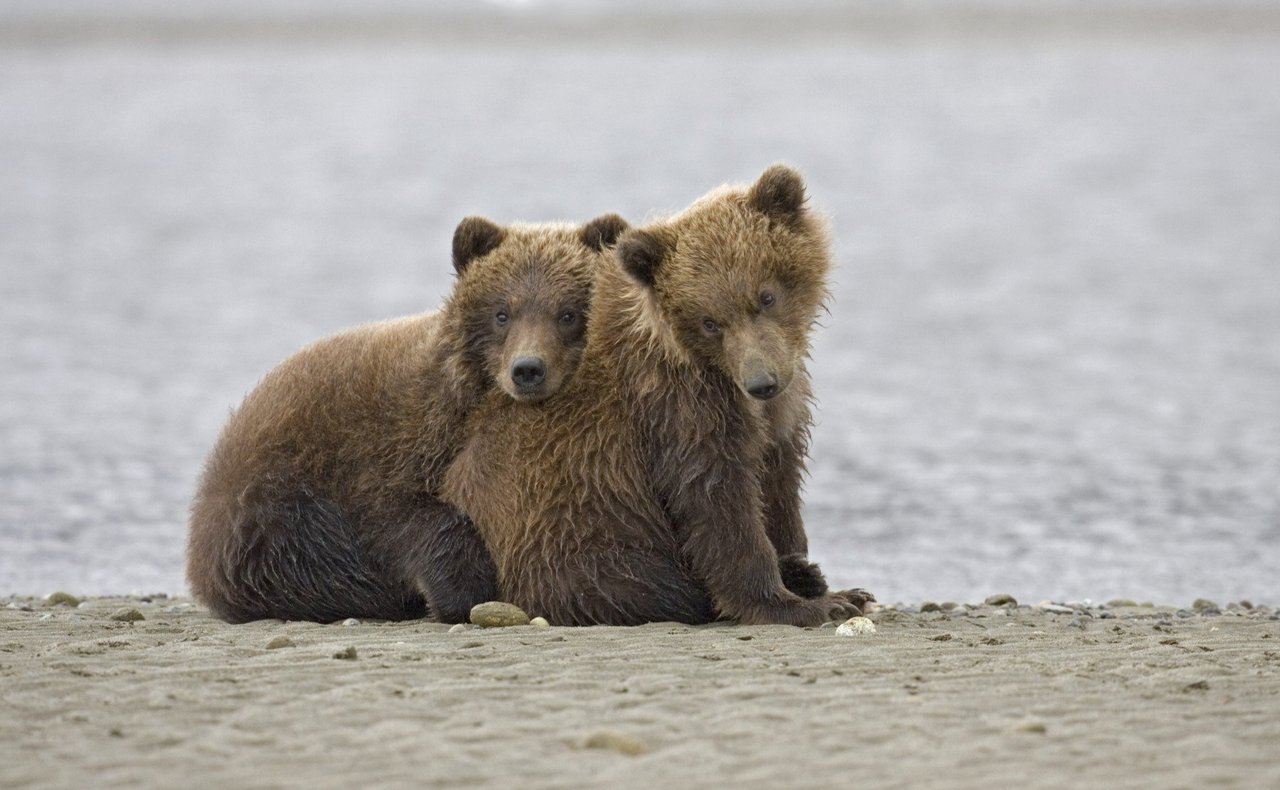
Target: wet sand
988 696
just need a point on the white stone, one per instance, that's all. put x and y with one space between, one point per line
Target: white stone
856 626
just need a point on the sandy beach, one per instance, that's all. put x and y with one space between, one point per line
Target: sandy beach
973 696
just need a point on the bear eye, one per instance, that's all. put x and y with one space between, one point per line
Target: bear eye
711 326
767 298
501 318
568 317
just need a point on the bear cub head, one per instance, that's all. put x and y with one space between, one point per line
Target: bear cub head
523 296
738 277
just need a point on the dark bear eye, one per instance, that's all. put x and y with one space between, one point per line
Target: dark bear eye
767 298
568 317
711 326
501 318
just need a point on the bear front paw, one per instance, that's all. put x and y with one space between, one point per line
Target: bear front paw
856 596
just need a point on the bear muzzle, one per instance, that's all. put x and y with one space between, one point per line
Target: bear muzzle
761 385
528 375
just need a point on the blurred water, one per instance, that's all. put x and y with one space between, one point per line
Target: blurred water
1052 362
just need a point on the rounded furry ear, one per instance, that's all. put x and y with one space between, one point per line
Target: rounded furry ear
475 236
603 231
641 252
778 194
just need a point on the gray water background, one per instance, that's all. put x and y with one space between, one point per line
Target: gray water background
1052 361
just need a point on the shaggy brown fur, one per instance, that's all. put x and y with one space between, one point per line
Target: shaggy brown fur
319 500
662 483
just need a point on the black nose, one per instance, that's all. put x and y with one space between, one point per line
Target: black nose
762 385
528 372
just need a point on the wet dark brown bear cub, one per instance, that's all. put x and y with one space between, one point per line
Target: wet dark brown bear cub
663 482
319 501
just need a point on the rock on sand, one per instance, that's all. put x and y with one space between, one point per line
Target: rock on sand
496 614
856 626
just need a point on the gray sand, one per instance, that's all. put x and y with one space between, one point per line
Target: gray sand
974 698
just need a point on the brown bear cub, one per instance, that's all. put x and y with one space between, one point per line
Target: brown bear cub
319 501
663 481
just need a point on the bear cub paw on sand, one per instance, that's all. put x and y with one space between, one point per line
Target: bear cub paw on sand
319 500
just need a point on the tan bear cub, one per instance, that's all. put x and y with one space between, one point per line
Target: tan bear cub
662 483
319 500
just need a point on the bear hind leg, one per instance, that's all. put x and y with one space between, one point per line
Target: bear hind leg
453 567
301 559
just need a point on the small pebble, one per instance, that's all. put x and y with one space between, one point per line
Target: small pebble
1203 603
127 615
62 599
346 655
496 614
541 622
930 606
1001 599
856 626
617 742
46 616
1057 608
351 621
947 606
1033 727
279 642
1246 604
458 628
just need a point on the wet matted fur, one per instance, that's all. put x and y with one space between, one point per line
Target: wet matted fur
663 482
319 500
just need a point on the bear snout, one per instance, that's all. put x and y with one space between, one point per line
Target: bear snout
528 373
762 385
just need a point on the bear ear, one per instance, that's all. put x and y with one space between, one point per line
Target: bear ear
475 236
778 194
603 231
641 252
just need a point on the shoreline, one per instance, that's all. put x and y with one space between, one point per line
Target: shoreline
973 695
